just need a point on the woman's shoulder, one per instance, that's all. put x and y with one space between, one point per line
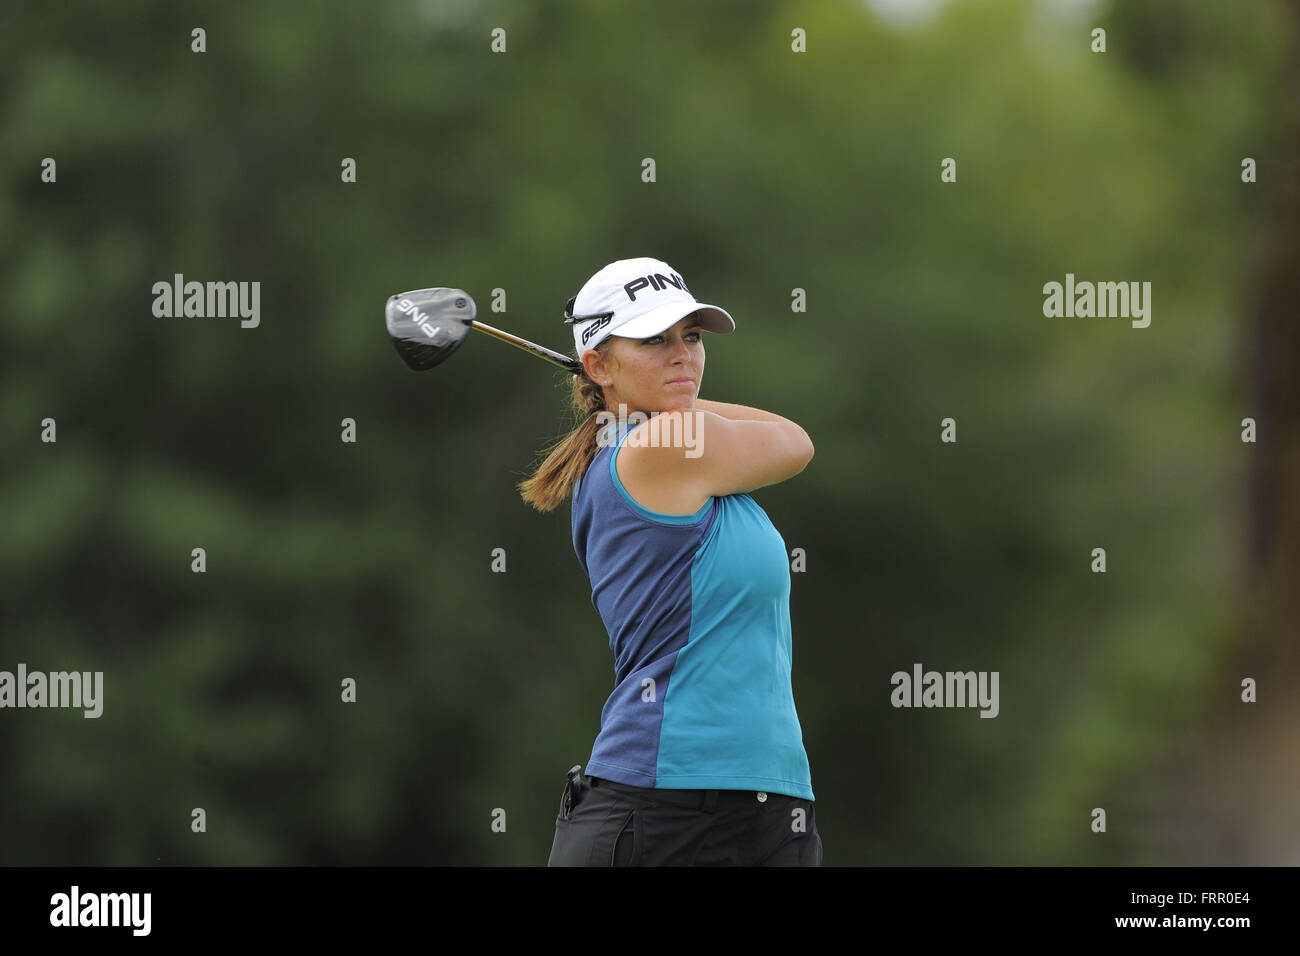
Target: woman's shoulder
654 489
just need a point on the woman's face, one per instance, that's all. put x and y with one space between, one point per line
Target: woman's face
651 375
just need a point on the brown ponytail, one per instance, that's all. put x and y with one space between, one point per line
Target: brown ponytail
567 460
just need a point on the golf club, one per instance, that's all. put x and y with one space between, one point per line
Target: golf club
428 325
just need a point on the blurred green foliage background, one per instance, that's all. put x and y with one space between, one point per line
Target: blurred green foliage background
521 170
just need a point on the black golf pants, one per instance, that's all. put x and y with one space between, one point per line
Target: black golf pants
604 823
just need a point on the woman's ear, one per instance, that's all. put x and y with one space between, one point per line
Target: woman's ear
594 366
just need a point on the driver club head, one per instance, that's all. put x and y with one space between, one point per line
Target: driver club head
427 325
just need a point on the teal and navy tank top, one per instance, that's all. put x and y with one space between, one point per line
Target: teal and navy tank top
698 613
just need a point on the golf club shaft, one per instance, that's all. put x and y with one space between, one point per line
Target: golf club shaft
555 358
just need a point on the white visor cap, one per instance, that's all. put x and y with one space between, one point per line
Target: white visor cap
636 299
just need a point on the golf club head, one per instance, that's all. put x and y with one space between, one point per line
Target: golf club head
427 325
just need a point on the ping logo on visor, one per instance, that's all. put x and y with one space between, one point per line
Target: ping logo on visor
657 281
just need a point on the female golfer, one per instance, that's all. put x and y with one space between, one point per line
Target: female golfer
700 758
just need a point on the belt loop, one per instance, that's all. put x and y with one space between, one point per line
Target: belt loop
710 800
